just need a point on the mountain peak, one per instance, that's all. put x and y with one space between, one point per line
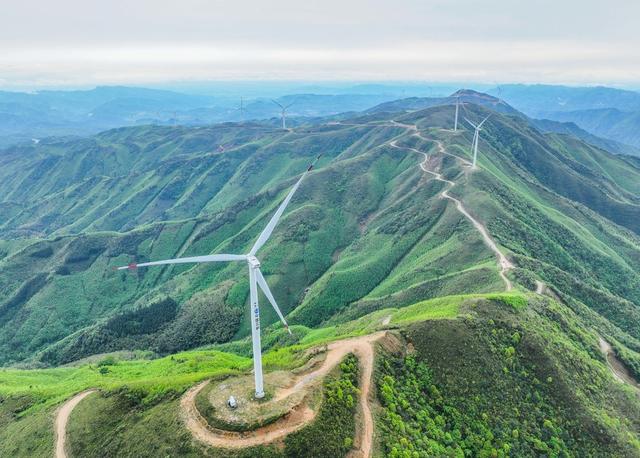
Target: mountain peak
475 94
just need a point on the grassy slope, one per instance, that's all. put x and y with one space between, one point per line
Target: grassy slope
143 392
366 232
555 356
158 377
377 236
546 232
53 287
113 426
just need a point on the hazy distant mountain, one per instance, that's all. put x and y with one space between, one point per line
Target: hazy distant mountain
611 123
27 116
613 114
571 128
35 115
540 99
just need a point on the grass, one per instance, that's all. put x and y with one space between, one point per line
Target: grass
249 415
433 309
157 378
379 236
111 426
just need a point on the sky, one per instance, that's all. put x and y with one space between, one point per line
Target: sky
90 42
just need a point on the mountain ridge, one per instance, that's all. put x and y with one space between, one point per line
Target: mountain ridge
362 150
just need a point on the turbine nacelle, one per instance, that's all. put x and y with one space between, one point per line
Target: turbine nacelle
253 261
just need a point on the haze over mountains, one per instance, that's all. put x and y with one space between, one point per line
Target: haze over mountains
27 116
611 114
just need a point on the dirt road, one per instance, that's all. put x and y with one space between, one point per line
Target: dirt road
616 366
443 150
62 418
503 263
298 418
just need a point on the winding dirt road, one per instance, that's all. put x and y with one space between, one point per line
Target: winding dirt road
301 416
618 369
503 263
62 418
442 149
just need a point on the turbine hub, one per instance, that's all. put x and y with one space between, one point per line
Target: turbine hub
253 262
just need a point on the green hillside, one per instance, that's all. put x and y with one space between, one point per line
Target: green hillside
367 229
368 242
492 375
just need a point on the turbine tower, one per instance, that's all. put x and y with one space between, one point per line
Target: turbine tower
242 109
455 122
474 142
283 112
255 280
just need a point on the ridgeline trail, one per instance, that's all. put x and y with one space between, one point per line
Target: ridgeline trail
503 262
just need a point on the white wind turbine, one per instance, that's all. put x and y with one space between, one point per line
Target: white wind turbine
242 109
455 122
283 112
474 142
255 279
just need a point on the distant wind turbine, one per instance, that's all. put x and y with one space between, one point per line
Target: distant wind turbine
283 112
499 90
242 109
476 135
256 279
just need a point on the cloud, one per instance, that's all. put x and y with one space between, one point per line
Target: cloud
78 42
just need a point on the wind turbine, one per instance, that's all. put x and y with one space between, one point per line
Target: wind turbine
455 122
499 90
242 109
476 135
255 279
283 112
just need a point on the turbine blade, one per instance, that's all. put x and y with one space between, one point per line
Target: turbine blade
278 103
266 232
472 124
262 283
483 121
287 107
196 259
